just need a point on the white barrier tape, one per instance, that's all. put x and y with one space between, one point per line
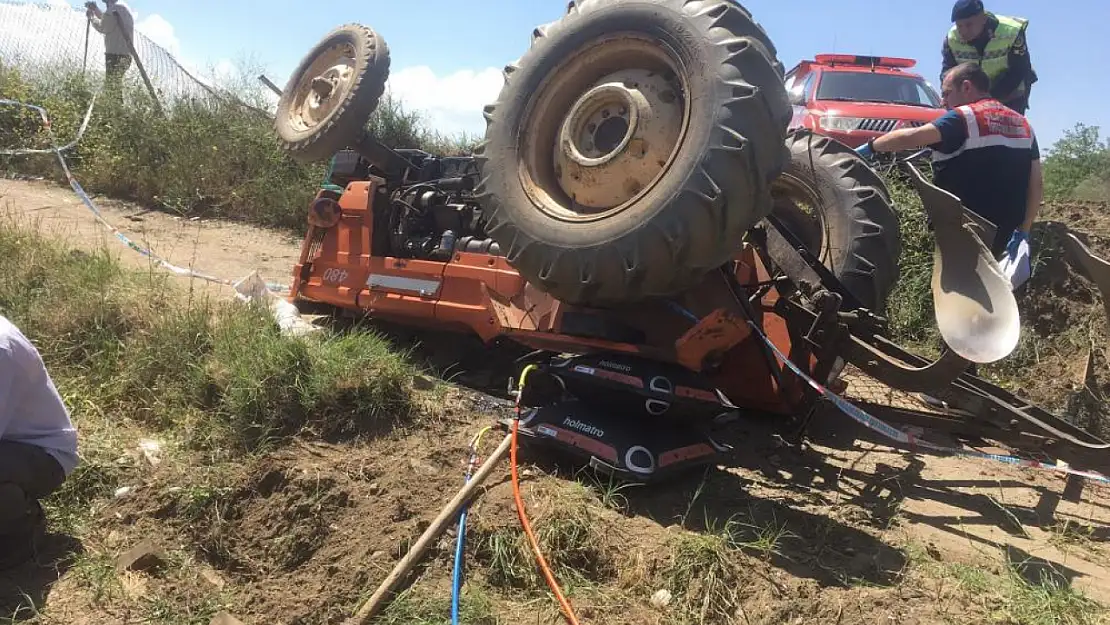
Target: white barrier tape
87 201
46 124
895 434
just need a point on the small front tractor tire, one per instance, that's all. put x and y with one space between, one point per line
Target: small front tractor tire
633 146
332 93
841 210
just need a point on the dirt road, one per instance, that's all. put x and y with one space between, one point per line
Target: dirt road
219 249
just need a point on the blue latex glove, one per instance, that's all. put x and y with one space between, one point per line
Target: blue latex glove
1015 264
866 152
1015 241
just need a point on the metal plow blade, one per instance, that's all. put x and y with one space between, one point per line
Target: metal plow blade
1096 269
975 309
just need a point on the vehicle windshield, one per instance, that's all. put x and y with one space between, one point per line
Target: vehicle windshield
869 87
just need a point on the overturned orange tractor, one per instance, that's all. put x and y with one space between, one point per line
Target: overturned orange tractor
639 216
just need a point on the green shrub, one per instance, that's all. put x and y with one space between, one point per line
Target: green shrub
1078 166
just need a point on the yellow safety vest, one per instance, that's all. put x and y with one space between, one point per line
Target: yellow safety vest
996 57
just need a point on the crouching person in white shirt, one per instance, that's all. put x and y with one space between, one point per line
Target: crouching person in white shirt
38 444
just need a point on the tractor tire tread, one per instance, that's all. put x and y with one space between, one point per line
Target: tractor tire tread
350 117
868 264
703 220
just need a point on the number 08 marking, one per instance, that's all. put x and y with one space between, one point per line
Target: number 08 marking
335 275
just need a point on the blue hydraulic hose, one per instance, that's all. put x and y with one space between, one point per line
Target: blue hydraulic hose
456 588
456 585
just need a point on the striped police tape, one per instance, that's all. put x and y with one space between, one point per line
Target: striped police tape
905 438
87 201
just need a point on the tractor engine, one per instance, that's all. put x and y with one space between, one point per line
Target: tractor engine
433 212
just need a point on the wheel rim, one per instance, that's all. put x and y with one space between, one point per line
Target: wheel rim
798 205
603 129
322 87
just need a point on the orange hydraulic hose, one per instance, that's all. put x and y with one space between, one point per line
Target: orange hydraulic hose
568 611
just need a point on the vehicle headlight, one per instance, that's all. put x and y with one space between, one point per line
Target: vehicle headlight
843 124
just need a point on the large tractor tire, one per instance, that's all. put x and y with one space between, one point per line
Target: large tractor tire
632 146
841 210
332 93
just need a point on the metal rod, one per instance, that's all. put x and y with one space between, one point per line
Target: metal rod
269 83
381 155
139 64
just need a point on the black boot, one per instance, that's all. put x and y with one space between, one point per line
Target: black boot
18 543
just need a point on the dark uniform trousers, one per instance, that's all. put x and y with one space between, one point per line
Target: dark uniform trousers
27 474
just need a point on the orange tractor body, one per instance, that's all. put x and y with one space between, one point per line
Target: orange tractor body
481 293
640 215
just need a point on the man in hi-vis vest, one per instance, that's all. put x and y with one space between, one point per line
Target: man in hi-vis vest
997 43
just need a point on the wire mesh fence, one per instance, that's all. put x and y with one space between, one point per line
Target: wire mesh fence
53 35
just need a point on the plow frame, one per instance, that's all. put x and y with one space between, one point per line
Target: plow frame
976 410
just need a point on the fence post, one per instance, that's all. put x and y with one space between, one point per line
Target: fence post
139 64
85 59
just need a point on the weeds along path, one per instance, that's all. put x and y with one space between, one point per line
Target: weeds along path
219 248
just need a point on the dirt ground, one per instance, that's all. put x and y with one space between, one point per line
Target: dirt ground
301 534
219 249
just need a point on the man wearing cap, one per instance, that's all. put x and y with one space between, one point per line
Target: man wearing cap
995 42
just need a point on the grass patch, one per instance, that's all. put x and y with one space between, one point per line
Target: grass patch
130 353
266 384
213 158
1010 597
571 544
412 607
1030 593
571 537
97 573
711 571
705 577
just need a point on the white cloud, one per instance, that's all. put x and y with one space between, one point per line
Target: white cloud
451 103
159 30
224 69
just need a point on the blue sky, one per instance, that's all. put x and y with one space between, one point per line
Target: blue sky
447 54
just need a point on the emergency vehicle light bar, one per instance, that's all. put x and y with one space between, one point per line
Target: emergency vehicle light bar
865 61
